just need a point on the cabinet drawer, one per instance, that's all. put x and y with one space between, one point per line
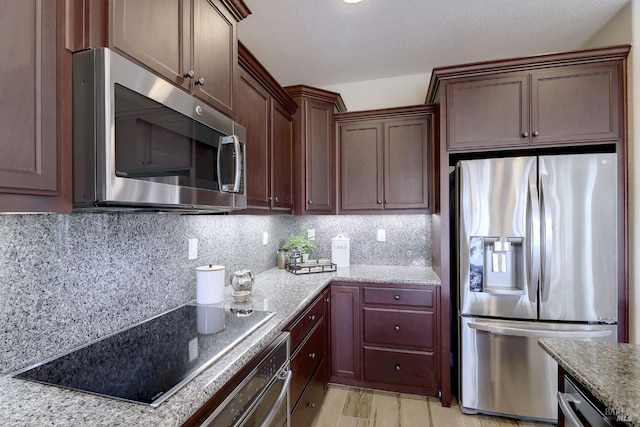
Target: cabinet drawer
398 327
307 409
412 297
305 361
400 367
303 325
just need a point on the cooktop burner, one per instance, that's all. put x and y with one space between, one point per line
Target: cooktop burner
149 362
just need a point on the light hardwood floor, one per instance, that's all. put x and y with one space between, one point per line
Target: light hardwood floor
356 407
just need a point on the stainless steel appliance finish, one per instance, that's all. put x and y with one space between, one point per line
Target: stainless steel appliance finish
537 257
580 409
142 143
262 397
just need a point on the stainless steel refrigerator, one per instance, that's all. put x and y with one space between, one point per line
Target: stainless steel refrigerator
536 257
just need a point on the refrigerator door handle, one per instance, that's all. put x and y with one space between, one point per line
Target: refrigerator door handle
546 229
533 231
537 333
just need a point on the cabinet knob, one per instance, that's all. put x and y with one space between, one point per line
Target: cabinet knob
379 202
397 327
526 134
310 202
397 367
200 81
269 199
386 202
536 133
312 355
312 405
189 74
312 317
396 297
275 198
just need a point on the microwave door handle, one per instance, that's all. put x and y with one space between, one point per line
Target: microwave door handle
286 376
232 139
547 236
533 231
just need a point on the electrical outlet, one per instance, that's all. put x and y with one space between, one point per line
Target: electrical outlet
265 238
192 252
382 235
311 234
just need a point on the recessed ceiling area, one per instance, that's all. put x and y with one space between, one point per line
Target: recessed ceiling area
328 42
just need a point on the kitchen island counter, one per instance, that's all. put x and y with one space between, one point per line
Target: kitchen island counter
609 371
24 403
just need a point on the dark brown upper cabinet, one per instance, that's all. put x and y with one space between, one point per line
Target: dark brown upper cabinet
514 104
313 149
385 159
35 113
192 43
266 110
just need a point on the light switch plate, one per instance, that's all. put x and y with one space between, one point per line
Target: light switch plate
192 252
265 238
382 235
311 234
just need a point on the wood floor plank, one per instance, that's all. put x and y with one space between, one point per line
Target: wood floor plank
385 410
331 409
358 403
414 412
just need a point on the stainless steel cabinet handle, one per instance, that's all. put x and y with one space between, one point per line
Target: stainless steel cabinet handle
189 74
397 367
536 133
397 327
525 134
564 400
396 297
200 81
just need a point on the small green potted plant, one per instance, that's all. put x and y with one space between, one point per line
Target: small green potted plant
302 243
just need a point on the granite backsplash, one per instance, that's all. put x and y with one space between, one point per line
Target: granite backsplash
67 280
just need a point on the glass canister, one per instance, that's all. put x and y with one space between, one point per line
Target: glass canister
242 280
281 258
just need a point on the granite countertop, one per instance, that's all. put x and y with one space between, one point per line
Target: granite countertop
24 403
610 371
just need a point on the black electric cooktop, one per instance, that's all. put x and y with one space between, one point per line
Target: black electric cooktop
152 360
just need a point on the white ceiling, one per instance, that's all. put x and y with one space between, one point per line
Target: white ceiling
328 42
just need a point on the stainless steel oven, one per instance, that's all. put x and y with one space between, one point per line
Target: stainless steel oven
142 143
262 396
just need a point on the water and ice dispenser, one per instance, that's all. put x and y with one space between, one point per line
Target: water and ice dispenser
496 263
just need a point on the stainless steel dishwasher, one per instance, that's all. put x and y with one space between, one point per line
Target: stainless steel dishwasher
580 409
262 397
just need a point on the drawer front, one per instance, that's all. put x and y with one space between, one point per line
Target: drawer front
307 409
306 322
411 297
305 361
399 327
400 367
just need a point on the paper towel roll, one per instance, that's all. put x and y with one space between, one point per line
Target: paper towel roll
210 284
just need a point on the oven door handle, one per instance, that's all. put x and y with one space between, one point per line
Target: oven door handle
284 393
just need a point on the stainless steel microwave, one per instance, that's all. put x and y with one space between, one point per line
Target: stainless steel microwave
142 143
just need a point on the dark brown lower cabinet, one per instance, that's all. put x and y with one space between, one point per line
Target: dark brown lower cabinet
384 336
308 358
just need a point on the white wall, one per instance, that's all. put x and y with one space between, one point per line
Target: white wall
625 28
383 93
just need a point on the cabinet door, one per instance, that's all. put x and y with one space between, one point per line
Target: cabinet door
254 108
488 113
30 163
319 194
156 33
345 332
406 164
215 54
281 158
361 167
575 104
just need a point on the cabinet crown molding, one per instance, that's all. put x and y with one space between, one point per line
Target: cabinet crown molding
526 63
237 8
318 95
413 110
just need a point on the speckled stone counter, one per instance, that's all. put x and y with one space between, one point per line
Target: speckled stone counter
611 372
25 403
